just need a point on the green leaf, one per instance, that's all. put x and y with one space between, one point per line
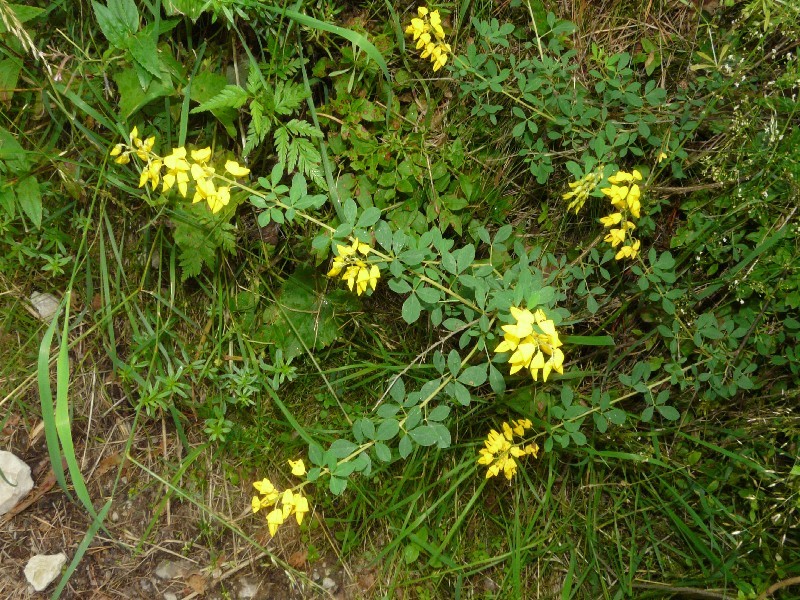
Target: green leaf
118 21
232 96
670 413
411 309
383 452
462 394
454 362
29 198
387 430
342 448
142 47
424 435
9 75
473 376
496 380
368 218
615 415
315 454
405 446
440 413
428 295
350 210
337 485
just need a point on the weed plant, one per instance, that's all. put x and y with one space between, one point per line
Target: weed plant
497 300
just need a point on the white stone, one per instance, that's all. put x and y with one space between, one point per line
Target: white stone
329 584
15 481
45 305
43 569
170 596
171 569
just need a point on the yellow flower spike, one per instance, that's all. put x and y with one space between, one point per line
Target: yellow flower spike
636 175
516 451
509 344
202 156
200 171
274 520
300 507
298 467
117 150
422 11
532 449
507 432
351 274
436 18
235 169
135 135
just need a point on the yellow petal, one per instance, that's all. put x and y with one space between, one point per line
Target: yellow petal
235 169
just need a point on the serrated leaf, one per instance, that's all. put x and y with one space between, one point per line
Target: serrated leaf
118 20
232 96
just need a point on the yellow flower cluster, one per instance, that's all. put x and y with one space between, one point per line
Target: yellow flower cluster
285 503
624 195
499 451
433 46
534 343
582 188
356 271
178 171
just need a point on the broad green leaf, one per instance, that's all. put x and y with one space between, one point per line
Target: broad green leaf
383 452
118 21
387 430
29 198
424 435
411 309
473 376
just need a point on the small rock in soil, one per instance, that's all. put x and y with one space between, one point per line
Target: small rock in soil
170 596
170 569
45 305
329 584
15 483
43 569
247 588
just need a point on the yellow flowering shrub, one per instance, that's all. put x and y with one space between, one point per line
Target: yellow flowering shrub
500 452
179 172
533 342
624 195
283 504
428 33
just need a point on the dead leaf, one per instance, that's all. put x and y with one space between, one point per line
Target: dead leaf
109 462
197 583
298 559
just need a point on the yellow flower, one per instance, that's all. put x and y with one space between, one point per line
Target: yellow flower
298 467
611 219
336 268
300 508
122 158
202 156
628 251
275 519
134 135
235 169
615 237
143 148
662 156
422 11
151 173
177 171
200 171
499 451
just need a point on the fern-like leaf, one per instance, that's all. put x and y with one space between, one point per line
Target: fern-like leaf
231 96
